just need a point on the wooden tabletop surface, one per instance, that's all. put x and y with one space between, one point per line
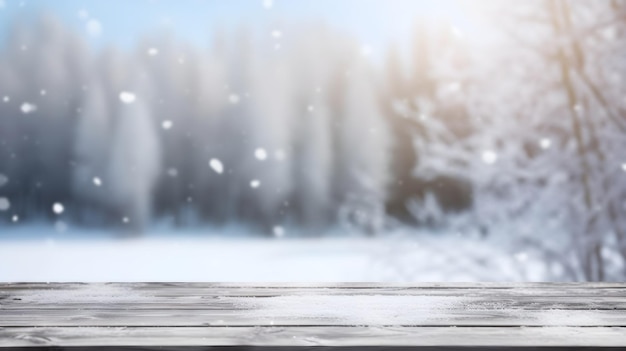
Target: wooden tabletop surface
151 315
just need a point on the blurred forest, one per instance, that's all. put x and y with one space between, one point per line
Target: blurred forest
525 139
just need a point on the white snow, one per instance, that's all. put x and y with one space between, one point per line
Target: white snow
268 4
624 167
125 220
353 310
234 99
6 99
277 34
278 231
260 154
27 108
43 92
39 254
545 143
153 51
255 183
93 27
366 50
127 97
457 32
5 204
97 181
521 256
172 172
489 157
216 165
15 218
3 180
58 208
167 124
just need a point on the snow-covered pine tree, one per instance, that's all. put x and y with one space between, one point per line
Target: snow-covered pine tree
91 153
135 161
363 146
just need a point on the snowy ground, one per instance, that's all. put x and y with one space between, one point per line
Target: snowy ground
28 256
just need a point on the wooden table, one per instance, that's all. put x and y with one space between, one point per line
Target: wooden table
288 316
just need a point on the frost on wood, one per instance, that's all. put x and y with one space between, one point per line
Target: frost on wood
354 310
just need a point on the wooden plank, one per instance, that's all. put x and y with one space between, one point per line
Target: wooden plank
164 293
315 313
225 303
179 314
589 287
315 336
202 305
107 298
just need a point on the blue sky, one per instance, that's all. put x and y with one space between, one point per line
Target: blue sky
376 23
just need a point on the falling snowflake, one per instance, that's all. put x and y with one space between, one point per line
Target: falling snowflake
97 181
277 34
125 220
83 15
172 172
127 97
545 143
6 99
366 50
521 256
216 165
58 208
280 155
260 154
311 108
27 108
578 108
278 231
454 87
167 124
43 92
268 4
3 179
457 32
153 52
2 4
94 27
234 99
489 157
60 227
624 167
255 184
5 204
15 218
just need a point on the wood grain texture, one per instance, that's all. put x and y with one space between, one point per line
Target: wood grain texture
299 315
